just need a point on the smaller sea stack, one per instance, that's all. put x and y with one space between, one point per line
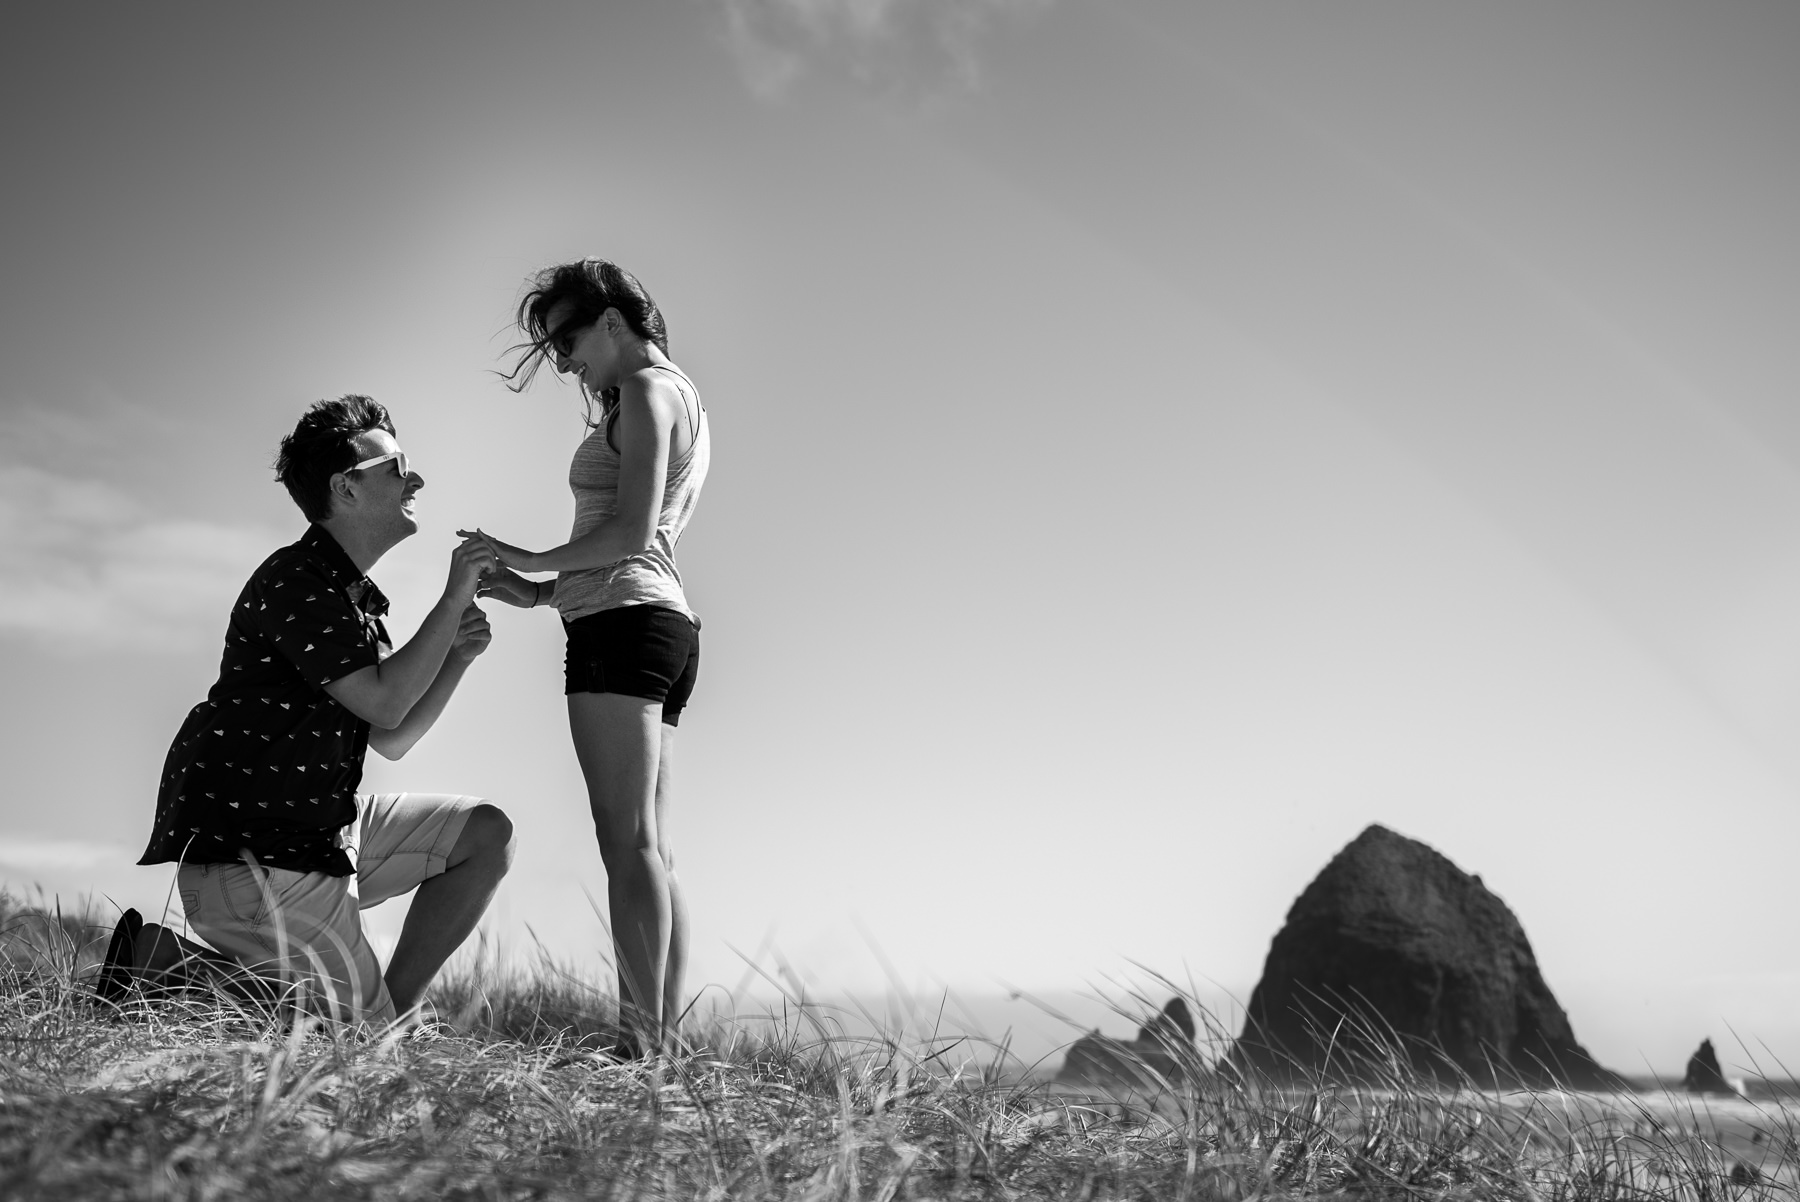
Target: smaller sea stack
1704 1074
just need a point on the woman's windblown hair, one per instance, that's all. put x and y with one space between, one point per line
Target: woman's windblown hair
591 287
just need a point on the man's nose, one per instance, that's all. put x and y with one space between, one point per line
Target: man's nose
415 480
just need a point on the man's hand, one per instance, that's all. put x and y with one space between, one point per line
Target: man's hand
394 739
387 695
511 588
471 560
473 636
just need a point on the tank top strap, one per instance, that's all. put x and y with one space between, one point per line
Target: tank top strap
673 368
693 390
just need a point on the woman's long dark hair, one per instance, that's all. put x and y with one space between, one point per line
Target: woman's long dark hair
591 287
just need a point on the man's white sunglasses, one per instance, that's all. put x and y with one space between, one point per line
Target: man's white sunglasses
399 456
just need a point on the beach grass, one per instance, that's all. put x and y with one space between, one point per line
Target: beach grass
509 1095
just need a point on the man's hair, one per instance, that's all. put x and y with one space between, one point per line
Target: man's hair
322 445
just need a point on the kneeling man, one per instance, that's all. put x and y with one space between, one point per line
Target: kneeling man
258 804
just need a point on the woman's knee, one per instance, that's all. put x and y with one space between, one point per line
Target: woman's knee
621 837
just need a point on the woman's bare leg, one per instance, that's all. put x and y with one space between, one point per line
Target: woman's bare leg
618 742
676 967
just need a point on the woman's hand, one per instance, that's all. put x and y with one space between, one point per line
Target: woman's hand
510 556
512 588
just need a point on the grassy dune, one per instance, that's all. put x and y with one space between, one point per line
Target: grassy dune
506 1098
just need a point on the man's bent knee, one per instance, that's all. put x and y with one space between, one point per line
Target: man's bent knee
486 831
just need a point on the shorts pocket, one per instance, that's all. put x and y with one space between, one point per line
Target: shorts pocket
241 890
190 903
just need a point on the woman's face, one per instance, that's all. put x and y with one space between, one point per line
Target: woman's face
584 350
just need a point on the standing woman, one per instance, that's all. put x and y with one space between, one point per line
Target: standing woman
633 642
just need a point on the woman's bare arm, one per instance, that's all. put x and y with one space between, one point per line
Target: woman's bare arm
648 408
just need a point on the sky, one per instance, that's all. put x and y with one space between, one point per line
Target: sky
1152 441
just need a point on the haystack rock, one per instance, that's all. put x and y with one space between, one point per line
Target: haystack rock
1395 940
1704 1074
1161 1055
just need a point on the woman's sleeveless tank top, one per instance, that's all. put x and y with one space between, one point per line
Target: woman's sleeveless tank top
649 577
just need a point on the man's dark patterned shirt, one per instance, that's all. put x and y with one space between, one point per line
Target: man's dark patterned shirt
269 763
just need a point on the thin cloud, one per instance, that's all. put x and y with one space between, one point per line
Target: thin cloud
92 434
83 565
919 47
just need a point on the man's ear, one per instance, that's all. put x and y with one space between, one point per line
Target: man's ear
341 489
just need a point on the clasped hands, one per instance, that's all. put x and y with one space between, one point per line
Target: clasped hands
471 564
499 580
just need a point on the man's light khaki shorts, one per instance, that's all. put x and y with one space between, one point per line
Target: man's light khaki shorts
302 929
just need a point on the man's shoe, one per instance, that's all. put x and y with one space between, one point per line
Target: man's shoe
115 976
